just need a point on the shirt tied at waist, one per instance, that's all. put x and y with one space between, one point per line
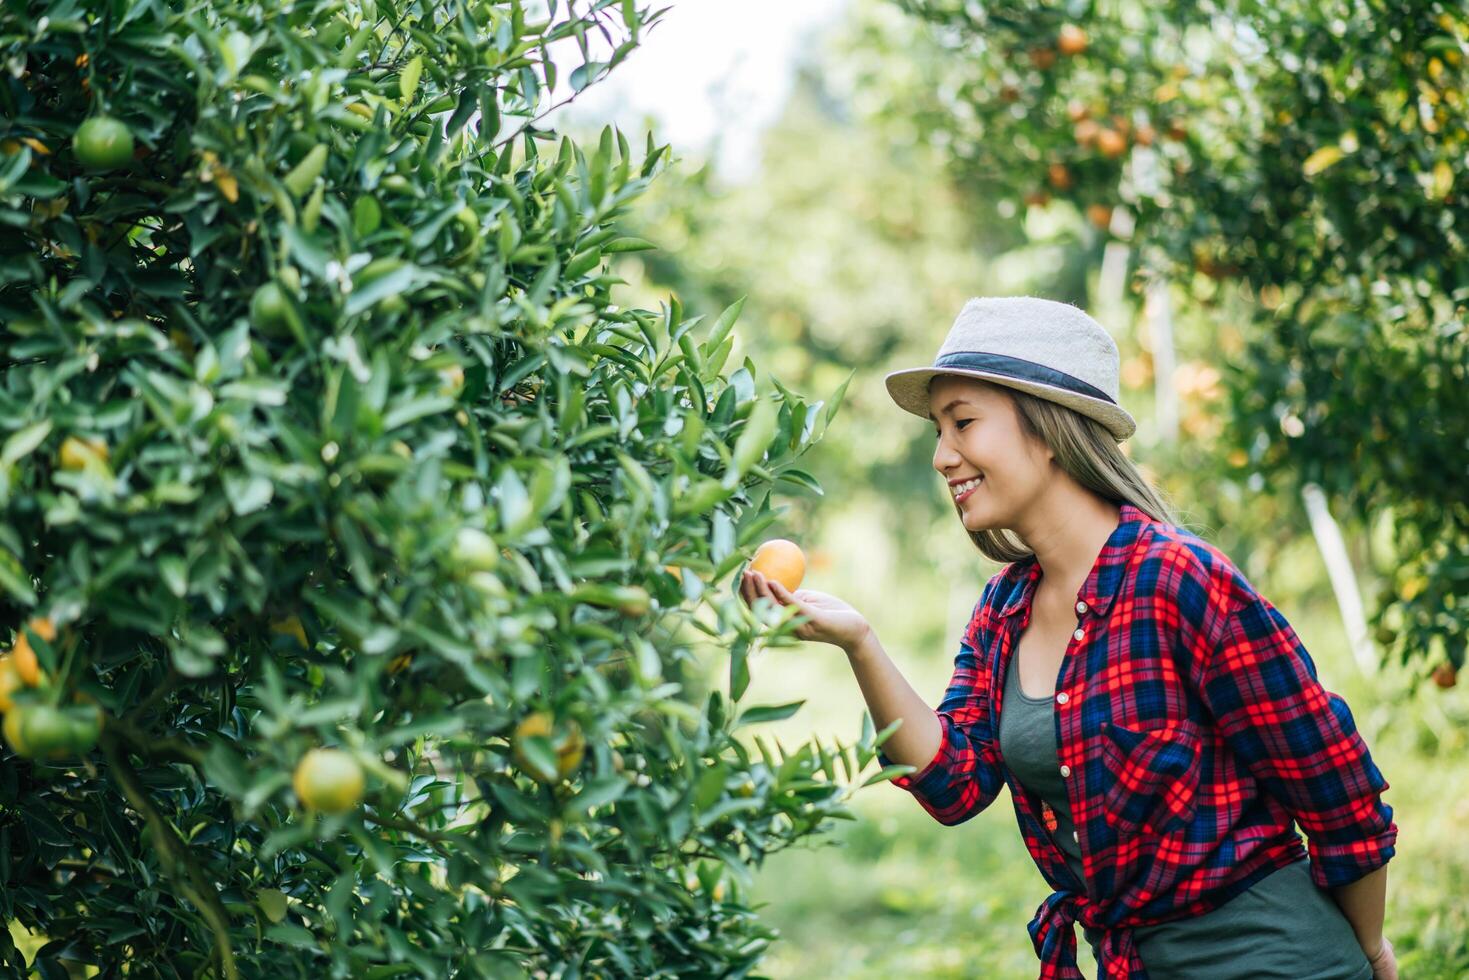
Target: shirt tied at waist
1053 931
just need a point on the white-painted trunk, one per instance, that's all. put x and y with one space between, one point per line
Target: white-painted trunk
1158 308
1343 577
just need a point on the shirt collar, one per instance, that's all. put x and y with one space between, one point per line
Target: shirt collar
1101 584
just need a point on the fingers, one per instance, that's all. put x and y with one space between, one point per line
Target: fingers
754 585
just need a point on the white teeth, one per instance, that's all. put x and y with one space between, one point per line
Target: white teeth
966 487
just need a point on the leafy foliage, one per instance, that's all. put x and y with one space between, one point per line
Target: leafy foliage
324 431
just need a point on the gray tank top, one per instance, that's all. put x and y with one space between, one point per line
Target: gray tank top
1282 928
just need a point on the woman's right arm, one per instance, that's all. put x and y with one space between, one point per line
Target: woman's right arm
958 768
953 749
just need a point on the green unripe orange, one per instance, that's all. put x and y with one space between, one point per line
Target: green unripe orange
39 731
328 780
103 143
475 550
272 902
268 310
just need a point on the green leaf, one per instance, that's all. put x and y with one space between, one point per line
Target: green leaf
394 283
300 178
408 81
14 579
367 215
754 439
802 479
723 326
21 443
739 670
764 713
887 773
627 245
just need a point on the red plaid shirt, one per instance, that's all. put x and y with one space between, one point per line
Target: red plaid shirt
1192 732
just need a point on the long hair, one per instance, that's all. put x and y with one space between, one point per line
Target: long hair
1089 454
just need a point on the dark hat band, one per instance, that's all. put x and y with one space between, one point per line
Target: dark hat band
1021 370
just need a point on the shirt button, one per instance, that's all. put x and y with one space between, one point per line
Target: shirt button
1081 607
1065 770
1062 698
1076 837
1080 633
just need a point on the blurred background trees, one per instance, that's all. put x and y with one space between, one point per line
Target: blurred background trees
1288 309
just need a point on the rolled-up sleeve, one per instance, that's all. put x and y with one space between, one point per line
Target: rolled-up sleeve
964 776
1298 740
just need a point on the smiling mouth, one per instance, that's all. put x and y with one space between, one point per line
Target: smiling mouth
969 490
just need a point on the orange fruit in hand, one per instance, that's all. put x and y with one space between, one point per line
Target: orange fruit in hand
782 561
23 657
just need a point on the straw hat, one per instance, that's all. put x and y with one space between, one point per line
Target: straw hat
1049 349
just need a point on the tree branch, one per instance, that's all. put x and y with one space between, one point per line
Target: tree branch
175 853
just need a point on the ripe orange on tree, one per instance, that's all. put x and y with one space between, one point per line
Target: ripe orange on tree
1099 215
291 626
782 561
1059 176
1445 676
1072 40
26 664
10 681
328 780
1042 58
570 746
1111 143
77 452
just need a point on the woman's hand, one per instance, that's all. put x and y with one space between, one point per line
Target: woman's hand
831 620
1385 963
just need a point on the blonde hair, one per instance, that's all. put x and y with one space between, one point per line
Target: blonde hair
1088 453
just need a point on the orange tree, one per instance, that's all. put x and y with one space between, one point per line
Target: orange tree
356 545
1309 153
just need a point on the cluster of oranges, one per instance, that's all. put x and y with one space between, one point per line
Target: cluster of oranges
35 729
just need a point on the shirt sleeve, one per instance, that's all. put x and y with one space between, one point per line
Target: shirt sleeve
965 773
1298 740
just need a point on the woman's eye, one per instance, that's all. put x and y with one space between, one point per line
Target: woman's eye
959 424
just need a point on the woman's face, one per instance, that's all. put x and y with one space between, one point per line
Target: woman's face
978 434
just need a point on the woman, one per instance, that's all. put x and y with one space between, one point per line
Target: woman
1157 721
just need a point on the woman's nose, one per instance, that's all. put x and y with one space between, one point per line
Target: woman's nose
944 457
